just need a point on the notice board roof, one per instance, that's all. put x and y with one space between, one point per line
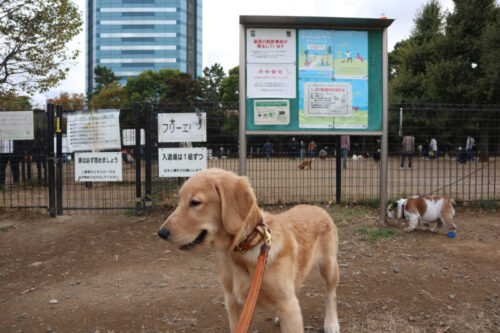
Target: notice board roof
342 23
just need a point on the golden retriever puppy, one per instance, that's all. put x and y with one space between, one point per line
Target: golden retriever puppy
218 209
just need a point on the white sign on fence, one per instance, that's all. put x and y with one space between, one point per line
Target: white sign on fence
128 137
65 148
16 125
182 127
94 131
181 162
98 167
6 146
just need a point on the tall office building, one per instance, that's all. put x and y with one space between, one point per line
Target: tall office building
131 36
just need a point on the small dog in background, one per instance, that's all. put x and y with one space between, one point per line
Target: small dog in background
418 210
306 163
357 157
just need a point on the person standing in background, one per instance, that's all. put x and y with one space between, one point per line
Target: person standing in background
293 148
433 149
469 148
408 150
312 149
302 150
345 145
268 147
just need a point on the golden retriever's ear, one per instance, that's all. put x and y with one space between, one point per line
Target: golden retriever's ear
237 200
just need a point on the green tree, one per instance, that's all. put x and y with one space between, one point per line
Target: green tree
454 78
229 87
73 102
103 77
148 86
180 88
34 35
211 81
13 102
410 58
110 97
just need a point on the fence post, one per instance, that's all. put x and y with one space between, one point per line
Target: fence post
338 170
148 152
137 156
59 175
50 158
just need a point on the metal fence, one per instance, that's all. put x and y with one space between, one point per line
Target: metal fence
472 175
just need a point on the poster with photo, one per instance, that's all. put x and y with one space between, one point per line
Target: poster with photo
351 55
315 54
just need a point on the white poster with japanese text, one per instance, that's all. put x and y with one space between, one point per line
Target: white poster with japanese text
327 99
93 131
65 148
16 125
98 167
271 46
271 81
182 127
128 137
181 162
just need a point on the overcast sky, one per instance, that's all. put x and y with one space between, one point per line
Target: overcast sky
221 27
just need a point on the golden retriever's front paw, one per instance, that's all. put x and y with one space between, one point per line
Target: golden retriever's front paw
332 329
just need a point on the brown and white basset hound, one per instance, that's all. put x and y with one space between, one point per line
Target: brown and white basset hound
422 210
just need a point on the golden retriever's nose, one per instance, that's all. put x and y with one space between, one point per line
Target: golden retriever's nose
164 233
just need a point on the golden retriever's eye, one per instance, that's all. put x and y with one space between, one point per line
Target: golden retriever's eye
194 203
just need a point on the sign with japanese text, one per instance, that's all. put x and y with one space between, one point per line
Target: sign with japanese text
6 146
327 99
98 167
92 131
128 137
181 162
16 125
65 148
272 112
271 46
182 127
330 77
271 81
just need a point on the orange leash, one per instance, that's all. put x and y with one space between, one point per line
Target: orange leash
253 293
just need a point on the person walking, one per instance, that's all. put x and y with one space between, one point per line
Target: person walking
345 145
469 148
408 150
268 147
302 150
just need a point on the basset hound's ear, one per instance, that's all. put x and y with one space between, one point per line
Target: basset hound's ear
395 204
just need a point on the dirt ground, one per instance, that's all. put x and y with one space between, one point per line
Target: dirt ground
113 274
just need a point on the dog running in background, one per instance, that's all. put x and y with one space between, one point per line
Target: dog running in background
218 209
304 164
419 210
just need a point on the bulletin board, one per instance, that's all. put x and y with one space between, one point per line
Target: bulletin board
320 75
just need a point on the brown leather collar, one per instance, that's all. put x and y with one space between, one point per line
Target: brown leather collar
260 233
